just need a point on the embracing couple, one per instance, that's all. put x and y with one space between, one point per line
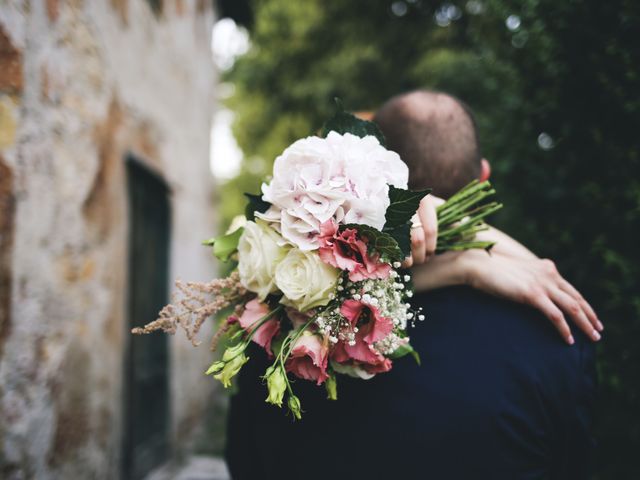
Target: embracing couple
507 381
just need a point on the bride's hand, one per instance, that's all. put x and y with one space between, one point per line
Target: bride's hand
538 283
424 232
523 279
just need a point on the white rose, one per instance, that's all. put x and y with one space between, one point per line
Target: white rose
341 177
259 252
305 280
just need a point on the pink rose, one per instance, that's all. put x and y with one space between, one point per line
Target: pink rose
254 310
344 250
309 358
372 327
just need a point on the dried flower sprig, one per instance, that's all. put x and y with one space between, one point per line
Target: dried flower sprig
194 303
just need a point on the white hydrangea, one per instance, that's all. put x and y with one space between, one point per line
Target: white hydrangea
343 177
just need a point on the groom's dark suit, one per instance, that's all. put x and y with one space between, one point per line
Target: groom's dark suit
498 396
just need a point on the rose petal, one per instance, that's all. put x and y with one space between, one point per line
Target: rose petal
265 334
309 357
351 310
254 310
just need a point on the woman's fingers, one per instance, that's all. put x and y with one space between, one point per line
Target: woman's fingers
553 313
591 314
418 252
424 235
429 220
571 306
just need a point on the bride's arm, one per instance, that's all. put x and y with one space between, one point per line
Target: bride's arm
511 271
516 275
506 245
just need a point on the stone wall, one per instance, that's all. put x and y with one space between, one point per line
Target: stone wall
83 83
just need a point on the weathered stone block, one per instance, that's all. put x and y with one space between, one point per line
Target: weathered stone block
11 80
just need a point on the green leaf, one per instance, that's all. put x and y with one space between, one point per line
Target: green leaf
402 235
225 245
404 350
380 242
403 205
255 204
344 122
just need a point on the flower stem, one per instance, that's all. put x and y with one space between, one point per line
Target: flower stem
287 345
245 341
262 321
461 217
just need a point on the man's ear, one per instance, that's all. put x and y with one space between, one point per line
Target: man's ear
485 170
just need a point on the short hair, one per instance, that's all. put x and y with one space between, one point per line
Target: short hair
436 135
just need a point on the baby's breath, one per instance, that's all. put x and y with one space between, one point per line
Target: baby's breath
389 296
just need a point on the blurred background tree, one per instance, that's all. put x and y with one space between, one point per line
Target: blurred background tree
555 89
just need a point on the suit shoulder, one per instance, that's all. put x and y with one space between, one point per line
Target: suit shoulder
499 327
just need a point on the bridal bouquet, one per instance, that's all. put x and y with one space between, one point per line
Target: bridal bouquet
317 280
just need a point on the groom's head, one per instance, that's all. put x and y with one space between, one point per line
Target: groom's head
436 136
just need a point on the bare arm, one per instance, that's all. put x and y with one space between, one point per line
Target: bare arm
511 271
505 244
532 281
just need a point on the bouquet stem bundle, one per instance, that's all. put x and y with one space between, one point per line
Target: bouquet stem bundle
462 216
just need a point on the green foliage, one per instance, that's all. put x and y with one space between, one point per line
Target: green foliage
570 70
403 205
255 204
344 122
402 235
225 245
